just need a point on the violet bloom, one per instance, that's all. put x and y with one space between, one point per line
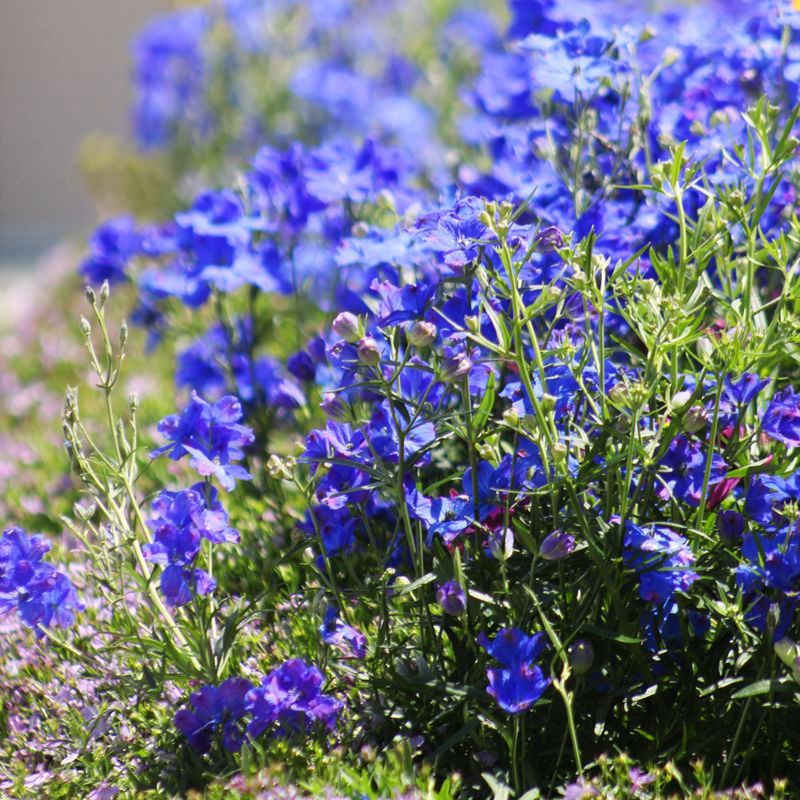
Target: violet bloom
211 435
215 707
291 697
339 634
452 598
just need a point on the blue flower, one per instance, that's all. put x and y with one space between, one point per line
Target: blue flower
180 521
291 697
683 471
213 708
519 684
661 558
517 688
40 594
781 420
112 247
211 435
170 76
339 634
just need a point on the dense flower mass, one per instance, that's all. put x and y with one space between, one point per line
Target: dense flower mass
484 315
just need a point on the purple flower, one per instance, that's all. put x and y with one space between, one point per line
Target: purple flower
40 594
452 598
291 697
211 435
781 420
215 707
339 634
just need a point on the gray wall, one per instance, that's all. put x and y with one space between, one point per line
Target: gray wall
64 72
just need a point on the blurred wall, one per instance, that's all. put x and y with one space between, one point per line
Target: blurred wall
64 72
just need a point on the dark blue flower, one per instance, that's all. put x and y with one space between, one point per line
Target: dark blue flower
214 708
112 247
683 469
291 697
781 420
661 558
339 634
41 595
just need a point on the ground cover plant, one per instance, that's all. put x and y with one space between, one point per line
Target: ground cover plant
452 447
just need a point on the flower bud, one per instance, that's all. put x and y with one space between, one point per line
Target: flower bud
581 656
347 326
86 327
548 402
556 546
787 651
335 407
549 239
455 367
452 598
730 526
696 419
680 400
123 334
104 293
369 353
91 297
421 333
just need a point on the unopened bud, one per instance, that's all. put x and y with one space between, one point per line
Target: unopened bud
581 656
334 407
347 326
91 297
86 328
104 293
123 335
133 402
556 546
421 333
369 353
696 419
455 367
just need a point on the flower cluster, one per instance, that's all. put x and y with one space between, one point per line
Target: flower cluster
41 595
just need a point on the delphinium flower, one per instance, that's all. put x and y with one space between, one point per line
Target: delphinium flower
519 683
291 697
661 558
40 594
339 634
215 708
211 436
112 246
683 471
769 577
179 523
781 420
170 76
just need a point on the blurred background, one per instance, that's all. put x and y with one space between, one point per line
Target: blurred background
64 73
